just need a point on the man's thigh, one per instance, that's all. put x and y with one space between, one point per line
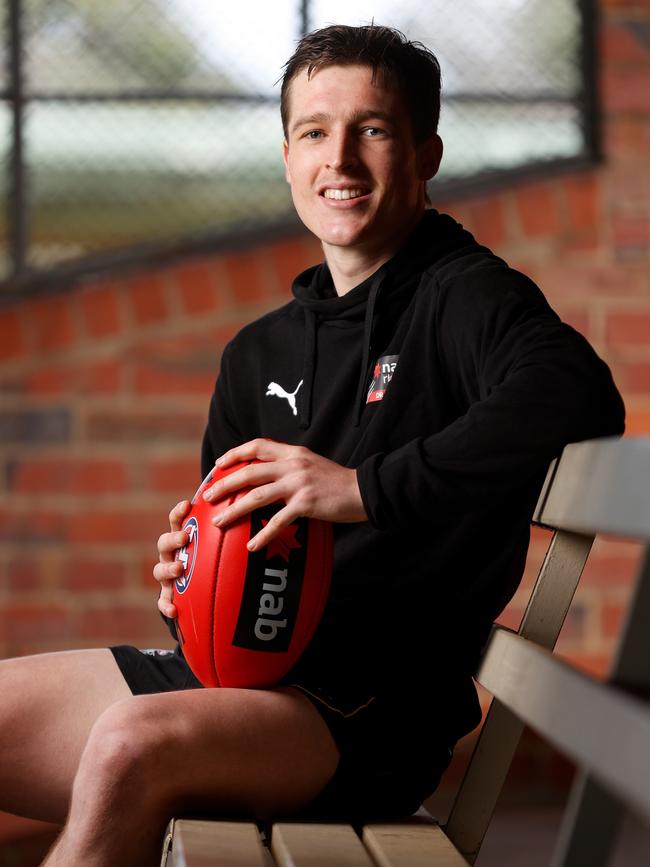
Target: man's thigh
231 751
49 704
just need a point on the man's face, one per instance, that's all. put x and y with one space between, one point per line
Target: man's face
355 172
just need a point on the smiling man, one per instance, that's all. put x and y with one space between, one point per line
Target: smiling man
412 392
357 174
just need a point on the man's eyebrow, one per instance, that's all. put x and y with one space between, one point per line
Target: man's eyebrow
309 119
358 117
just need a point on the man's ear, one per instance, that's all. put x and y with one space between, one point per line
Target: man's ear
429 157
285 157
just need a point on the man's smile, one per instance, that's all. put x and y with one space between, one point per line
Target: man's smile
344 193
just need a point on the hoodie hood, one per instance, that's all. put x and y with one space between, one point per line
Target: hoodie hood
385 293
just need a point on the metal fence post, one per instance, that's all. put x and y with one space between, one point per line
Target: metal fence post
304 17
17 214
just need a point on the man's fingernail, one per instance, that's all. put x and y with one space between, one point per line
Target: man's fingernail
217 519
252 545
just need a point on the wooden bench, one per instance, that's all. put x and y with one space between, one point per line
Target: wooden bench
600 486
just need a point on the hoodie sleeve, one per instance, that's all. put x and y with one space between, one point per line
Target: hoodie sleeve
529 385
221 432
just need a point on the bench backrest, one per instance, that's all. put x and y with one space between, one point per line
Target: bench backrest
595 487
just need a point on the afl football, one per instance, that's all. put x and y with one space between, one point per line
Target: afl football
245 617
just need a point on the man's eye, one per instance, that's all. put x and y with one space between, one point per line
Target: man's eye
373 131
313 134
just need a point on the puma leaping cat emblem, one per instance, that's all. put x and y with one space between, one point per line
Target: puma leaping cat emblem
273 389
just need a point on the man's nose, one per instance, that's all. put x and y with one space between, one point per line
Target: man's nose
343 150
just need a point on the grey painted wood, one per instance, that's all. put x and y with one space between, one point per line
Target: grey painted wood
590 825
484 778
555 587
485 775
592 818
601 486
206 843
166 857
631 664
318 844
604 730
404 844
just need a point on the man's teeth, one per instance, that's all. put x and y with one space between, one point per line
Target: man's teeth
342 194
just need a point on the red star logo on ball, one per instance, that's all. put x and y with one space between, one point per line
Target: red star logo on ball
281 545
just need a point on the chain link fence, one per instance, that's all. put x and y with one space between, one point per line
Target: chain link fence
139 124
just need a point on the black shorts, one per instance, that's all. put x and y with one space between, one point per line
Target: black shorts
389 762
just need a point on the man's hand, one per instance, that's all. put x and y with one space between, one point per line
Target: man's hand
168 569
309 485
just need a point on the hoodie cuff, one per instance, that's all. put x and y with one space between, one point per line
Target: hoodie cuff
370 490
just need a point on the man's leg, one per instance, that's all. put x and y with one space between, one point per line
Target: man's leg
48 706
229 751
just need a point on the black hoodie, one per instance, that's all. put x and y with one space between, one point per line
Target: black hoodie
448 382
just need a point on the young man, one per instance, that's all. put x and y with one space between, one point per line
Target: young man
430 386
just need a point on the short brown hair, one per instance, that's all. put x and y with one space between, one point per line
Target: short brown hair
413 67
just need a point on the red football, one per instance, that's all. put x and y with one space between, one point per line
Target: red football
244 618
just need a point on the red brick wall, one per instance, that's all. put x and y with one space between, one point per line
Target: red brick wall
105 391
105 386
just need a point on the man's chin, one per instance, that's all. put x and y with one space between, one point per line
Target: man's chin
343 235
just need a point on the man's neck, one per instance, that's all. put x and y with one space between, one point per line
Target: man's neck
348 271
350 266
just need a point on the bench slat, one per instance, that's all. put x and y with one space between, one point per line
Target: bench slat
321 844
400 844
555 587
602 729
591 822
199 843
590 825
600 486
477 797
484 778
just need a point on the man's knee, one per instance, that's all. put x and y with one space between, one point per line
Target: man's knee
127 747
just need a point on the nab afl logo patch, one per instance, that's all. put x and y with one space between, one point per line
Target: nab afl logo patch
273 586
381 376
187 555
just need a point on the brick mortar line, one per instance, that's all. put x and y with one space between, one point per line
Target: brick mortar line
143 597
116 400
95 452
107 348
59 551
59 593
135 452
618 353
64 503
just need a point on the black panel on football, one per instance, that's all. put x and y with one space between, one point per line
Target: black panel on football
273 584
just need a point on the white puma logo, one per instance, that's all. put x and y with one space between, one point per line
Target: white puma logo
274 389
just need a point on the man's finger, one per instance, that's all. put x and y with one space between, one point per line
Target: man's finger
274 527
178 513
255 499
167 608
164 572
262 448
248 477
169 543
